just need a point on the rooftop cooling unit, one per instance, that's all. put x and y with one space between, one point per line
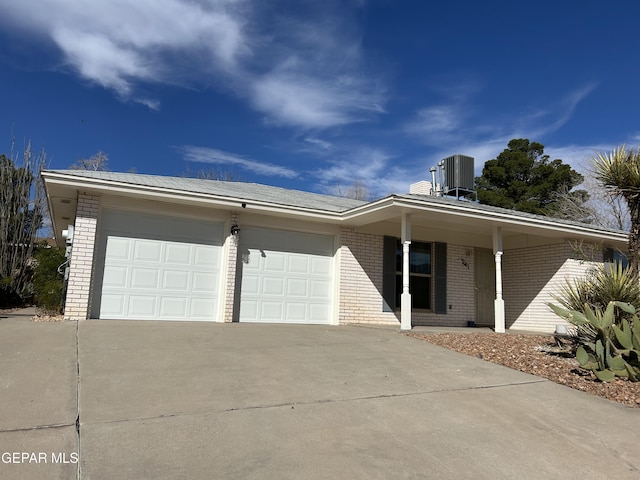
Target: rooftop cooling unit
459 175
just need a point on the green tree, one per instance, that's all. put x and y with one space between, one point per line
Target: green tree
48 282
523 178
619 171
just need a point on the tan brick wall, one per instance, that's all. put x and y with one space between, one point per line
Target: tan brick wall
531 276
228 296
81 265
361 284
361 280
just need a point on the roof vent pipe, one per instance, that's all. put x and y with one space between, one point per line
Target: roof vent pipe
434 186
442 177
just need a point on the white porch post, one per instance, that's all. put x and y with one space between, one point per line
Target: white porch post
405 298
499 301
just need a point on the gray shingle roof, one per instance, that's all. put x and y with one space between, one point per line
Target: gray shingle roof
242 191
254 192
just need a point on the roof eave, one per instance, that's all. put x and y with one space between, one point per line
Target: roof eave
99 186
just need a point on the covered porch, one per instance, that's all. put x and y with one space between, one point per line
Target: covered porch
528 256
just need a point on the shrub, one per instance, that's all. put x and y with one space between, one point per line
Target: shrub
48 283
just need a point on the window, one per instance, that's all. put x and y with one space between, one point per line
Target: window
427 275
419 274
610 256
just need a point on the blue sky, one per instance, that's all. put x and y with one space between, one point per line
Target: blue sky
316 94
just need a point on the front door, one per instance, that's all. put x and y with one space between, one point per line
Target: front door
485 286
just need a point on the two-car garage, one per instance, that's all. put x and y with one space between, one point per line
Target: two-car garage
157 267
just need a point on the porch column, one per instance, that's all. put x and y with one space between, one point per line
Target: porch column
405 298
499 301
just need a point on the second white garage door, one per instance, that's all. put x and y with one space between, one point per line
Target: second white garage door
158 268
286 277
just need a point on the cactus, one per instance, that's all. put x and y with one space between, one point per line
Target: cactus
615 351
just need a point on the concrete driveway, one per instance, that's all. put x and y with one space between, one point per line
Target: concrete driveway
133 400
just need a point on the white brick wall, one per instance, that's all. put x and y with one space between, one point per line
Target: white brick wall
230 284
531 276
361 284
81 265
361 280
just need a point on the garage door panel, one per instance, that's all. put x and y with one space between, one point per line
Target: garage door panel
161 268
297 287
115 276
283 275
299 264
273 262
273 286
206 256
271 311
202 309
321 265
296 312
204 282
144 278
118 248
175 280
113 305
141 306
250 284
318 312
320 288
147 251
173 307
178 254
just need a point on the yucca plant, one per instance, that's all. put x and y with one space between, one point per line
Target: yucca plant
602 285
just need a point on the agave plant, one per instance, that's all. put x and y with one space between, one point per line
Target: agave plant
614 350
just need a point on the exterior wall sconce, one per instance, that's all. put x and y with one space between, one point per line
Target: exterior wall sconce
235 230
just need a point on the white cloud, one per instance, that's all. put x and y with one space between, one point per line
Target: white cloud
211 155
303 71
370 167
294 98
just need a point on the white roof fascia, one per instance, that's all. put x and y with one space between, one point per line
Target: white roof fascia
499 218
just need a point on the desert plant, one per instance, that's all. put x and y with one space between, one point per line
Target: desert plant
615 349
22 208
604 283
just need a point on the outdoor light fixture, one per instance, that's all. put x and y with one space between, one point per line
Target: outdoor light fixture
235 230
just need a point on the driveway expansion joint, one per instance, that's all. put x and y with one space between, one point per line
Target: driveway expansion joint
313 402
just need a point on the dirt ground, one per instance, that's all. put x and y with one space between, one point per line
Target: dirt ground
533 354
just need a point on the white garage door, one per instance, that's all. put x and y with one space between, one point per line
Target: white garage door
286 277
158 268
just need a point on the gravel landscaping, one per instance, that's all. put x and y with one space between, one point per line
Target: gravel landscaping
535 354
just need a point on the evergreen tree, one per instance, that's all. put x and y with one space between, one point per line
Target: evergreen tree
523 178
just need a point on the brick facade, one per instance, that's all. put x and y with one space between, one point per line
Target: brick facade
360 298
78 298
531 276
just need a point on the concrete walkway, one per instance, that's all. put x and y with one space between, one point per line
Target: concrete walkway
192 400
